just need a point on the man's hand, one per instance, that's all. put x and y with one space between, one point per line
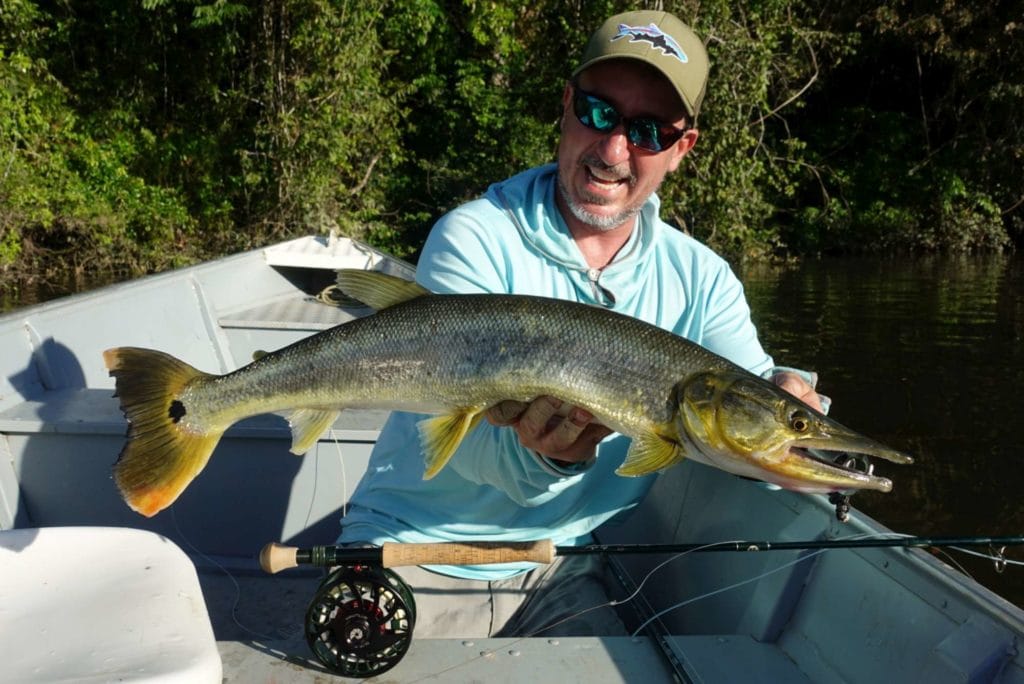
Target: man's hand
551 428
799 388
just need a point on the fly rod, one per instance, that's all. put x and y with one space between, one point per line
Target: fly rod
277 557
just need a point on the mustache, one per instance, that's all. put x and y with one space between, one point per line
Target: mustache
617 171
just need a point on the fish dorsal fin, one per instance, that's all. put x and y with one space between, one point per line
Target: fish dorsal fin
440 436
307 425
378 290
649 453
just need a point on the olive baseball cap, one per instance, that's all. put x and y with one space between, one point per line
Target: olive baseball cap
658 39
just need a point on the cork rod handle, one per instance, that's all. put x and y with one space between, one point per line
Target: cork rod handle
468 553
277 557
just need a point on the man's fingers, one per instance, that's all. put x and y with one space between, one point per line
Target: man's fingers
506 412
534 421
551 427
799 388
567 431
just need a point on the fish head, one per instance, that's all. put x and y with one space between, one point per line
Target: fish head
748 426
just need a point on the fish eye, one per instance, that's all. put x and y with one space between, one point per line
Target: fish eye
800 420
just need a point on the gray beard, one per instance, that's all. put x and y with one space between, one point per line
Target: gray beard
601 223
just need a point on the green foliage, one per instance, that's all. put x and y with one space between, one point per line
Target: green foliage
747 162
918 139
327 131
141 135
486 81
62 190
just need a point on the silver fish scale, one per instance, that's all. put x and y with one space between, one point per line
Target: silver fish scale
441 353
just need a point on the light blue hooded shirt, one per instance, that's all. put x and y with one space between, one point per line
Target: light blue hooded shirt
514 240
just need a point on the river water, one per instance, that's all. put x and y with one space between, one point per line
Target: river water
923 354
926 355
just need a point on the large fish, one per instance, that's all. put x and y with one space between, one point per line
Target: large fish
457 355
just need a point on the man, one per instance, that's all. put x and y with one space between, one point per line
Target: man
585 229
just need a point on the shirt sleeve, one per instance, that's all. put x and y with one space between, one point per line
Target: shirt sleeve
731 333
728 328
462 255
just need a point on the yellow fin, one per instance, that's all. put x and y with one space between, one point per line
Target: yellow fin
307 425
162 456
649 453
378 290
440 437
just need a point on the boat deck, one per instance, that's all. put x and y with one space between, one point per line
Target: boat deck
258 623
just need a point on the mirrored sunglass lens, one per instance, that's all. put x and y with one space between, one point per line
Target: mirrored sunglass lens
604 115
595 113
646 134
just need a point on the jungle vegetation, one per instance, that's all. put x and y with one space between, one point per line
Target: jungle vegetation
137 136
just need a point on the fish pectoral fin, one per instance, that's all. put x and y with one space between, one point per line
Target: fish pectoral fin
307 425
440 436
649 453
378 290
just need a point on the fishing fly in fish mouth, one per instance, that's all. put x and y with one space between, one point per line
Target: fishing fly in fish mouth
674 398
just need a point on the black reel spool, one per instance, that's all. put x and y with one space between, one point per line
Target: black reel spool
360 621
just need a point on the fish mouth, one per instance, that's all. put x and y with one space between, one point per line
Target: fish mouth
839 468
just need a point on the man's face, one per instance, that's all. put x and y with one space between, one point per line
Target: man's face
604 180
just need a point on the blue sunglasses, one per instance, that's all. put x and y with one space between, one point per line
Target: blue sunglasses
646 134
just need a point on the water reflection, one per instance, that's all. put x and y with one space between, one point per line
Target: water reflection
926 355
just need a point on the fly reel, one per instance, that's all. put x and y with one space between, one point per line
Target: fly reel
360 621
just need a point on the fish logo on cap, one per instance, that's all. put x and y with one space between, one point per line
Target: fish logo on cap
658 39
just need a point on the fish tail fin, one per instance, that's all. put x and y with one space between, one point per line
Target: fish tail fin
163 453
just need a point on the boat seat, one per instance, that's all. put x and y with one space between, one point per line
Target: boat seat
90 604
66 411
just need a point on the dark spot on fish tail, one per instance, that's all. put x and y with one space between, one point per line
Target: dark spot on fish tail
177 411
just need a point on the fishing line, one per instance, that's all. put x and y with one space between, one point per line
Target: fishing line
234 581
344 474
238 587
883 535
650 573
996 559
636 592
573 616
725 589
309 514
331 435
953 561
279 558
316 479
